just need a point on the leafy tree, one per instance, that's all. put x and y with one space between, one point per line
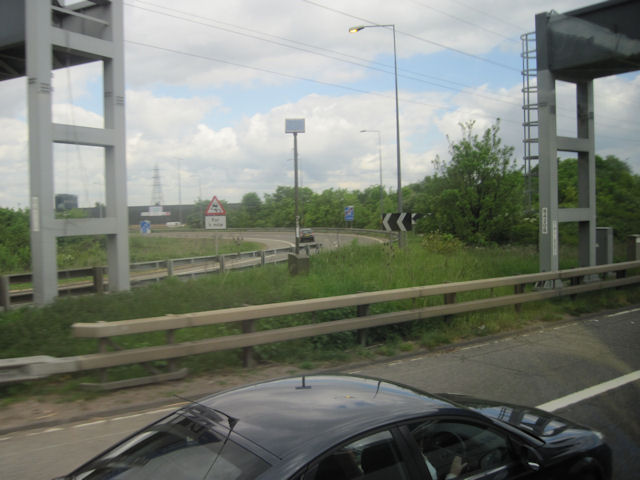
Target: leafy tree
15 251
196 218
279 207
251 209
617 187
477 194
370 215
618 196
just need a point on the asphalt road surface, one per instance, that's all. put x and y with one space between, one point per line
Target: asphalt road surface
273 240
587 371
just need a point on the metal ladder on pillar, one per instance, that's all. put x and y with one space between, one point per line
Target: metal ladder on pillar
530 115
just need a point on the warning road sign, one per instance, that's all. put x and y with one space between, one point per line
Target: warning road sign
215 208
397 222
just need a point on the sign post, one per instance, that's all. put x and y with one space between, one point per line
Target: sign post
295 126
215 215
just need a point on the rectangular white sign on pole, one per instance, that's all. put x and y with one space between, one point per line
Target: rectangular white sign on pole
218 222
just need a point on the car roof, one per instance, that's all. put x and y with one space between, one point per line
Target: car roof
312 413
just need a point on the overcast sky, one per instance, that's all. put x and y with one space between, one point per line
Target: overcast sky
210 84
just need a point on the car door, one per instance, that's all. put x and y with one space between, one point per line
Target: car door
460 448
380 455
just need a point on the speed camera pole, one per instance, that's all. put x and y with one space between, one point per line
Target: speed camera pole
295 169
295 126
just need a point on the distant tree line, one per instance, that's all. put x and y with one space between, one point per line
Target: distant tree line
475 195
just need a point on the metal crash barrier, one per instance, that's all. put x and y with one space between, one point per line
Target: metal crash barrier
524 289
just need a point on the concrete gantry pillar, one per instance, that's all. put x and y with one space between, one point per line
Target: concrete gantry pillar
577 47
57 36
115 155
548 173
39 67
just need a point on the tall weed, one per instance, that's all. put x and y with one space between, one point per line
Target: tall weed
352 269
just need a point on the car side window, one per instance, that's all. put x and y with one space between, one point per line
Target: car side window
374 457
459 450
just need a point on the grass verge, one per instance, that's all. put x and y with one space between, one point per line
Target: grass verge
352 269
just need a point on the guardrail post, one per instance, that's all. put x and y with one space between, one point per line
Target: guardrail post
98 280
362 311
248 326
262 258
448 299
518 290
221 262
573 281
102 348
170 267
171 339
5 298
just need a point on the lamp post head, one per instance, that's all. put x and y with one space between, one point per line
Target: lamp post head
356 29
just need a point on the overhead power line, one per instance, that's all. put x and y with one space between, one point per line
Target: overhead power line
415 37
315 50
296 77
462 20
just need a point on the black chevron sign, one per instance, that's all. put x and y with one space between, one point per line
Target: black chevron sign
397 222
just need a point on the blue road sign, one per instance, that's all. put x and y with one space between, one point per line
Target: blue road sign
348 213
145 226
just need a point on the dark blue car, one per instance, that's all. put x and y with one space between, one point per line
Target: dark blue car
335 427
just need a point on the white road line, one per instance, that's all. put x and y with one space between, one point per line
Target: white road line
471 347
83 425
54 429
565 326
170 408
618 314
587 393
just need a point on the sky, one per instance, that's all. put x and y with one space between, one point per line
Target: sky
209 84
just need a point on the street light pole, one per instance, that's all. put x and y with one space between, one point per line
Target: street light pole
395 71
380 158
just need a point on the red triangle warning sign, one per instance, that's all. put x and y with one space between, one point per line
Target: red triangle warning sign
215 207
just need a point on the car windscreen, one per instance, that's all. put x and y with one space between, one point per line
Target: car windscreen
179 447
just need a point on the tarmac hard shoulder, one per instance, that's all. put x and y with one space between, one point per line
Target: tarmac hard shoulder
50 410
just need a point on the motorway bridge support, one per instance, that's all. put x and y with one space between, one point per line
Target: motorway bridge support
36 37
577 47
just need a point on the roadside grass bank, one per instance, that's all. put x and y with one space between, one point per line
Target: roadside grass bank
82 252
353 269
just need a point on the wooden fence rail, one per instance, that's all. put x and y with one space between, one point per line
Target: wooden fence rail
526 288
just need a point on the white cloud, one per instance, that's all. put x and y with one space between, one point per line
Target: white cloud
207 105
